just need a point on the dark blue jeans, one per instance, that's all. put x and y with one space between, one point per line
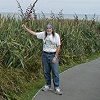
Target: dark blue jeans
48 67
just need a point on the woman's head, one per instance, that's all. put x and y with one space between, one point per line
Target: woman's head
49 30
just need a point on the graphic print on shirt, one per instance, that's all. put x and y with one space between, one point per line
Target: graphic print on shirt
50 44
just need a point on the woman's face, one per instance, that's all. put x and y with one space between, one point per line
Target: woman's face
49 31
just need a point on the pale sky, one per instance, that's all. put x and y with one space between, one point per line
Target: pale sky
68 6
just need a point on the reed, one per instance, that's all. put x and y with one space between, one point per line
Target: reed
20 52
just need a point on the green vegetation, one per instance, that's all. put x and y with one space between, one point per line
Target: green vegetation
20 52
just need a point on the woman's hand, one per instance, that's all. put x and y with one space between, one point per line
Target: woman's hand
24 26
54 60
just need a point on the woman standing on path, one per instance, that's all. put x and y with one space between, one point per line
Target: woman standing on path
51 48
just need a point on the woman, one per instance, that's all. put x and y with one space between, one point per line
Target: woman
51 48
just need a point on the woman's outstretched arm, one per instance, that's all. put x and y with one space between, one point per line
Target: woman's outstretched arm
28 30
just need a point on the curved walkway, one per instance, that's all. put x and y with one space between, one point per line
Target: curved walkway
81 82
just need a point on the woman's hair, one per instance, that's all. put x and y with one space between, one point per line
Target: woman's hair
49 26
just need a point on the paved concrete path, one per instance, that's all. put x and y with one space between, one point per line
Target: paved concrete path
81 82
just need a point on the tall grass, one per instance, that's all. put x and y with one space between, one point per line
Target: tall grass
20 52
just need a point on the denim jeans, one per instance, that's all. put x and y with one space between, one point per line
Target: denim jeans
48 67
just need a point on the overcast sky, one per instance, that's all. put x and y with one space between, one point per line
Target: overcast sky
68 6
